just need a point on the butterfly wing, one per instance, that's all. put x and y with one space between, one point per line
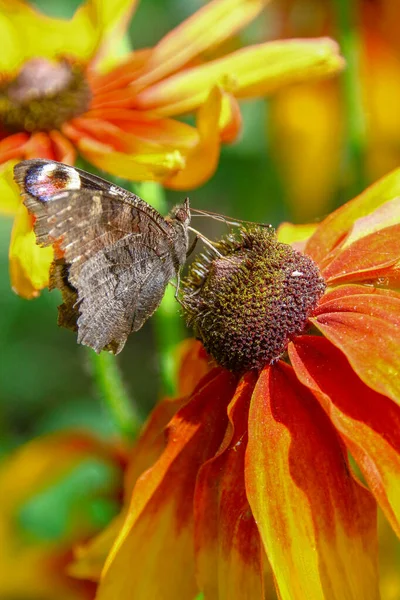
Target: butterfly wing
115 248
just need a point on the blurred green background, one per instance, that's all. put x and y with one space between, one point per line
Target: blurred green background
44 375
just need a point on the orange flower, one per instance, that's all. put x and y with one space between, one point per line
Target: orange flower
55 491
57 98
256 465
312 117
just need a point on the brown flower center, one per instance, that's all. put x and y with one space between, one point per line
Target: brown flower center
248 304
43 96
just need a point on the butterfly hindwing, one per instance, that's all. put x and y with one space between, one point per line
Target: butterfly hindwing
114 250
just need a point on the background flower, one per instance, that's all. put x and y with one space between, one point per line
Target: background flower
45 510
57 100
316 117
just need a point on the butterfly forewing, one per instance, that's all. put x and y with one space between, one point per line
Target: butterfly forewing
116 253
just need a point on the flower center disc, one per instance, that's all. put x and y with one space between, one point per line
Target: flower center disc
248 304
43 96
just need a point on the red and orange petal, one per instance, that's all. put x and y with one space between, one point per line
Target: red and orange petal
364 323
194 366
316 521
158 530
332 231
229 555
368 422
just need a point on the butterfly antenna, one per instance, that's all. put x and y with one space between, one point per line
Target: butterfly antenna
218 217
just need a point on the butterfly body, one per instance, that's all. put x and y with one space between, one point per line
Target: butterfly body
114 253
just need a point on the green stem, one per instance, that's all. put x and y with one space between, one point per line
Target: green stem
347 23
167 323
111 388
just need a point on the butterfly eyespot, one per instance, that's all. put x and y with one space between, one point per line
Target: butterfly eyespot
43 181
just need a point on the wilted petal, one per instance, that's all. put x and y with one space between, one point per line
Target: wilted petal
248 73
29 264
366 327
317 523
333 229
208 27
158 530
228 546
368 422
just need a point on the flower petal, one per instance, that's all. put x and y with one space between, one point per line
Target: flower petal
333 229
295 235
227 542
26 33
318 525
12 146
366 328
135 167
110 22
366 258
202 161
29 264
250 72
169 132
10 199
193 364
208 27
158 531
63 150
369 423
91 557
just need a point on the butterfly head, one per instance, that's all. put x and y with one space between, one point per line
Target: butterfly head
181 213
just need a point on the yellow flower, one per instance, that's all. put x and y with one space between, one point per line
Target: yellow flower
59 96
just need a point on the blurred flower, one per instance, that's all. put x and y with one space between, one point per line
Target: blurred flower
257 462
57 99
55 491
308 121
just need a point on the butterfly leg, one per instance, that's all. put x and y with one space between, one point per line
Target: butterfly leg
192 246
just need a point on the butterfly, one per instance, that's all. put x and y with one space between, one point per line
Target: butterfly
114 253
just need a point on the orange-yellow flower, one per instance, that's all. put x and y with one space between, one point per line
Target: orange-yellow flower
57 98
56 491
313 117
256 465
